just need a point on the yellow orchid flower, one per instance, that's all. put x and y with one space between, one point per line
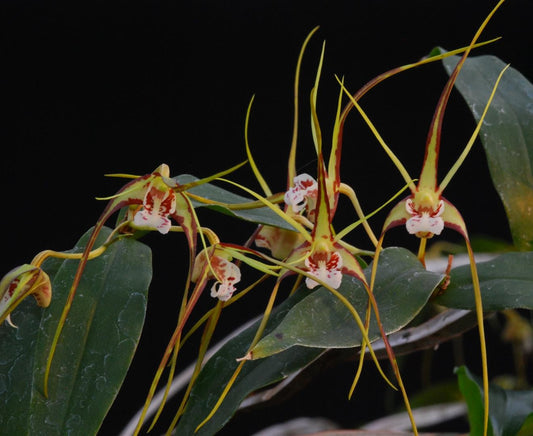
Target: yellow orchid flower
425 212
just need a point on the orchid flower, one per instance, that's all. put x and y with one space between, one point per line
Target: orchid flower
425 212
226 273
158 204
322 264
323 258
152 201
18 284
301 194
31 279
216 262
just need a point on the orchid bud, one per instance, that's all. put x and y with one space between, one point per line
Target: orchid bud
18 284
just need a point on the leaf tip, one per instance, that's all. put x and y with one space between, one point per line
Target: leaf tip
248 356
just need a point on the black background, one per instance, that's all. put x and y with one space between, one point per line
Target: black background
89 88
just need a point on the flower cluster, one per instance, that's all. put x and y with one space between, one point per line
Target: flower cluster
304 241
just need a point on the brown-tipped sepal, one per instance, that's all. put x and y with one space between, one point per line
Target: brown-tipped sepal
397 216
453 219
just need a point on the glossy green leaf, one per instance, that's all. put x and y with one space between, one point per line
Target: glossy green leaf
508 409
95 349
506 134
260 215
506 283
254 375
402 289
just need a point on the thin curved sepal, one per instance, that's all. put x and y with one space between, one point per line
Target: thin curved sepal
186 218
291 174
174 342
187 186
322 228
334 176
132 193
364 218
242 361
353 98
397 163
481 332
261 328
428 175
315 125
390 351
259 177
205 342
283 215
472 139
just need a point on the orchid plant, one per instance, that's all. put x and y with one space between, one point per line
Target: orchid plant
80 337
425 212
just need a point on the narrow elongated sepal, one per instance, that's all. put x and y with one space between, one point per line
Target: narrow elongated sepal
429 170
186 218
132 193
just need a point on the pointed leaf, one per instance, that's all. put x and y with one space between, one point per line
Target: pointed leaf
506 283
94 351
402 289
506 134
403 272
508 409
254 375
259 215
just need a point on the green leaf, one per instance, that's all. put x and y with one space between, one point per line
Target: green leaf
260 215
506 134
402 289
473 395
95 349
402 278
506 283
254 375
508 410
527 427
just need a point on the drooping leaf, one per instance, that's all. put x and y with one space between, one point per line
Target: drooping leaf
506 134
506 283
259 215
94 351
320 320
508 409
254 375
